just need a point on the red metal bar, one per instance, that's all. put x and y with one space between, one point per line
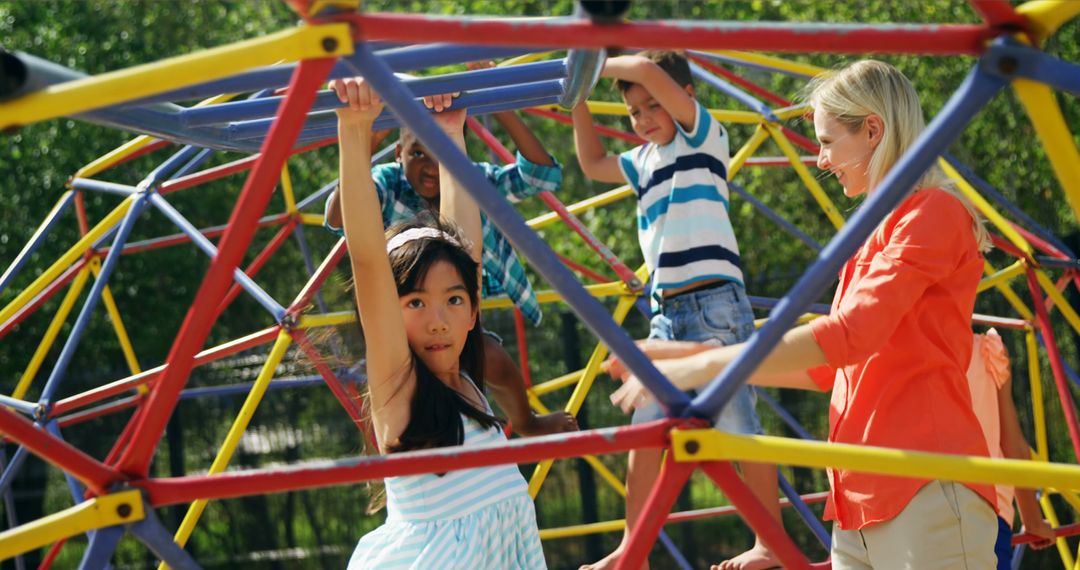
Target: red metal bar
257 264
801 141
196 178
125 437
953 39
80 213
181 238
698 514
99 411
1002 322
768 529
626 275
252 203
51 289
97 476
321 274
606 131
50 557
147 376
1067 530
673 478
332 381
999 14
779 161
741 82
594 276
171 491
1039 243
1007 246
1052 353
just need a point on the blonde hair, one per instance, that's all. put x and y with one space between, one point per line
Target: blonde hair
871 87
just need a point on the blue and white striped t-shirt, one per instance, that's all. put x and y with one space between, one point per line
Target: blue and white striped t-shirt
683 224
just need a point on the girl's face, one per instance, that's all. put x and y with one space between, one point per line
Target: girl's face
845 153
438 317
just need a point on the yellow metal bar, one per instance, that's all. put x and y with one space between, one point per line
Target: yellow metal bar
65 260
987 209
600 290
1001 276
773 62
117 322
713 445
792 112
582 529
527 58
327 320
1046 16
556 383
804 173
100 512
584 205
1010 295
1059 300
592 460
1052 518
1042 107
232 439
73 97
114 156
722 115
312 219
51 333
760 135
287 189
1038 405
577 398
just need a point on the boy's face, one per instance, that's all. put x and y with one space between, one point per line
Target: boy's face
648 118
421 170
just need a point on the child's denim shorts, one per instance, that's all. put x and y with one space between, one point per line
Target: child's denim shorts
717 315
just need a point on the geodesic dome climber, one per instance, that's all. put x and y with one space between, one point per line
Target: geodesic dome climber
116 495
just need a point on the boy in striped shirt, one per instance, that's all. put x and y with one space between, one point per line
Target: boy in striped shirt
685 233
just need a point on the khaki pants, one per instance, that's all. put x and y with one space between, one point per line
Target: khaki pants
945 526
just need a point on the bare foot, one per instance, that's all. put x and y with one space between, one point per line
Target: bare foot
555 422
757 558
609 561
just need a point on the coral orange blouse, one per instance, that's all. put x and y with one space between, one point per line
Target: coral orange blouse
898 343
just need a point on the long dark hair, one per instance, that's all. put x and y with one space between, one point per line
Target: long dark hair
436 409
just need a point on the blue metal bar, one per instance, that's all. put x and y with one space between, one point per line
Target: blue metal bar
1018 555
28 408
160 541
9 510
733 92
381 156
399 59
772 215
804 512
102 186
172 163
12 468
253 289
508 221
1037 65
1047 261
748 65
37 239
784 415
767 303
259 127
582 72
150 242
421 86
988 190
322 133
674 551
192 164
78 492
309 263
977 89
103 543
72 343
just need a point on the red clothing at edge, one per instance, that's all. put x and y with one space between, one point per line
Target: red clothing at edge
898 343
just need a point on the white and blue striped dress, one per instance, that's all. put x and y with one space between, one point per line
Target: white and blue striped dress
475 519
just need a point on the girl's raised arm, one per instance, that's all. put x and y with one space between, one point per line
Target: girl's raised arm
391 380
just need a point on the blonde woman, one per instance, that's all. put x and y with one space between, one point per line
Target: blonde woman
895 347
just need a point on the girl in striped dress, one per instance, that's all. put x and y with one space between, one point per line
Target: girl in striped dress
417 291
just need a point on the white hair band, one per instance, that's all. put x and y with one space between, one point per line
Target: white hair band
412 234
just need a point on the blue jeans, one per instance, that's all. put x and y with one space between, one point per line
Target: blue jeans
1003 546
720 315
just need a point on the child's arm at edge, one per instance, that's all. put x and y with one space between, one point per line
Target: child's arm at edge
1015 446
671 96
593 158
526 141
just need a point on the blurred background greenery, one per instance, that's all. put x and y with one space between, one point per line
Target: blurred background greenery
317 529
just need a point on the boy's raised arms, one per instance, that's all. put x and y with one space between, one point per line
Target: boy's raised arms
674 98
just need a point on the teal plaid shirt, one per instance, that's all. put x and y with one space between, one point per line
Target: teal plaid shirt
503 272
